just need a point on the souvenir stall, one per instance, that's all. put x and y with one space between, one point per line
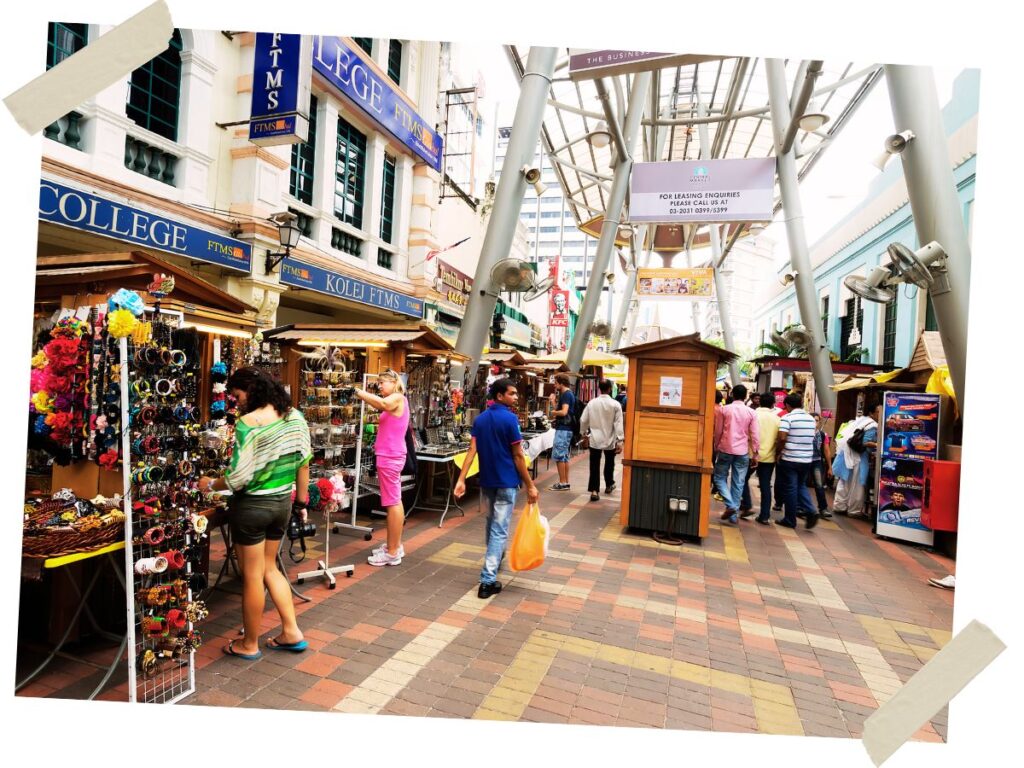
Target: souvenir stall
127 406
494 364
322 364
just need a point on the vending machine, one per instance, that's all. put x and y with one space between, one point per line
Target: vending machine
909 435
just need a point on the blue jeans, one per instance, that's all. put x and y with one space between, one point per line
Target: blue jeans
731 488
818 474
764 483
745 500
793 476
500 503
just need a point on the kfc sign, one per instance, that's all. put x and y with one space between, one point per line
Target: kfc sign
558 310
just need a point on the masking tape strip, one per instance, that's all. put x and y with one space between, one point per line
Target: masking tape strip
97 66
930 689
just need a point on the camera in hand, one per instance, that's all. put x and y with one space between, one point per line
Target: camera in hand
297 527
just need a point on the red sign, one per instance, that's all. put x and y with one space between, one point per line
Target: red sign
558 309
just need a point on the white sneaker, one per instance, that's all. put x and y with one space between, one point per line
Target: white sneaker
946 582
381 557
384 545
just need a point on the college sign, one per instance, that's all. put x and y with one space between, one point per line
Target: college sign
282 70
344 69
302 275
91 213
701 191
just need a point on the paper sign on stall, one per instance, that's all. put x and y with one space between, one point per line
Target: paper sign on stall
671 391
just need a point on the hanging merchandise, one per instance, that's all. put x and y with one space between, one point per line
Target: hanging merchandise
58 405
170 448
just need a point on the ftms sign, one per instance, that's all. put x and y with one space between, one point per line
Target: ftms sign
280 89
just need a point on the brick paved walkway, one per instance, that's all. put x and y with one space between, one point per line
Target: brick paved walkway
758 630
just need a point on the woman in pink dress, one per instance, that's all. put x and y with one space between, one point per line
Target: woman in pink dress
391 451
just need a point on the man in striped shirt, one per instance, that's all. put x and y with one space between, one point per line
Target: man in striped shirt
794 450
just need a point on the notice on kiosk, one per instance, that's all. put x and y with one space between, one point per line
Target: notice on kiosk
671 391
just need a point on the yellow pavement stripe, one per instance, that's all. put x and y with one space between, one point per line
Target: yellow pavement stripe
513 692
734 549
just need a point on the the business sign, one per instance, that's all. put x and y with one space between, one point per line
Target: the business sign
668 283
282 69
302 275
558 309
345 69
517 332
702 191
584 65
910 434
91 213
453 284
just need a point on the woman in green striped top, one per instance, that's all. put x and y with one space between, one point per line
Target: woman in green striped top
271 458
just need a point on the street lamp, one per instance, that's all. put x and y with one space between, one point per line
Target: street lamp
600 137
288 233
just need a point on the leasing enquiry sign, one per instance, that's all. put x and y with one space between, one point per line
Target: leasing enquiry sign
702 191
344 69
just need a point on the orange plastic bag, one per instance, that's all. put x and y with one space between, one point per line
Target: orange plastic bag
530 540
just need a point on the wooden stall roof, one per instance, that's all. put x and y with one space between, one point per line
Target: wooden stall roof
421 337
803 365
546 366
511 357
106 272
929 353
693 339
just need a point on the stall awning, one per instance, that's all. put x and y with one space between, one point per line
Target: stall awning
418 338
860 382
590 357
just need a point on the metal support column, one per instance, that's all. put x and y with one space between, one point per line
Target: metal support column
938 214
609 227
695 305
721 292
508 201
799 256
627 296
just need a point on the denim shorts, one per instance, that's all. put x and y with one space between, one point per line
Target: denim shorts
563 441
255 518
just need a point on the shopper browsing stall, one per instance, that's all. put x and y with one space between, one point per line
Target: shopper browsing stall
391 452
852 462
564 415
271 457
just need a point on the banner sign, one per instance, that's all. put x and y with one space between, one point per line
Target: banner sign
702 191
517 333
910 434
282 70
584 65
301 275
91 213
558 309
453 284
344 69
667 283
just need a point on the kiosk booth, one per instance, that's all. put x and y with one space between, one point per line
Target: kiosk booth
670 421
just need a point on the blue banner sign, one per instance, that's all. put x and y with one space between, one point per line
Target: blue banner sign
343 68
81 210
302 275
280 89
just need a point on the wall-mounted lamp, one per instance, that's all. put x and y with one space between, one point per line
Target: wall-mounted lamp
288 234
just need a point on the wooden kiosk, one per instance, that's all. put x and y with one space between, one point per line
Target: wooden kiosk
670 421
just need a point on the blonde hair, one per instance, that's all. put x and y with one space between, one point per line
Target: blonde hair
390 374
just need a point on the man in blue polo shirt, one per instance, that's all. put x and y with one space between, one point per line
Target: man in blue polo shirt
497 439
794 449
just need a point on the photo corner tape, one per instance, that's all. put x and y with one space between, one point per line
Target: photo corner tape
99 65
930 689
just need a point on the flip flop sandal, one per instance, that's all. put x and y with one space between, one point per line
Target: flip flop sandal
229 650
298 647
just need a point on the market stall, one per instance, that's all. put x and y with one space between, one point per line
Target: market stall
126 414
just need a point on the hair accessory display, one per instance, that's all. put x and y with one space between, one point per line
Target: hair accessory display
121 323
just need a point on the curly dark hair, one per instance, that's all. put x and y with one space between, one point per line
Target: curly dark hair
260 390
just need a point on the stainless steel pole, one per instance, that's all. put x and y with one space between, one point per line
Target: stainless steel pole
936 207
799 256
721 290
508 201
609 227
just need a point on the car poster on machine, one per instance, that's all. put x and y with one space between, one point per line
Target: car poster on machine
910 434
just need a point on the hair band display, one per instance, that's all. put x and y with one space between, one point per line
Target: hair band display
178 358
154 535
164 387
175 560
176 620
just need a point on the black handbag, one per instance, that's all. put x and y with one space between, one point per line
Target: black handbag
410 466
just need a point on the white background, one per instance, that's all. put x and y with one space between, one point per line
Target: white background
984 718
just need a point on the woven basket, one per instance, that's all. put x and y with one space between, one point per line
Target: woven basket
64 540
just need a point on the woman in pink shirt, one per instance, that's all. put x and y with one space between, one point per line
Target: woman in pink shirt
390 449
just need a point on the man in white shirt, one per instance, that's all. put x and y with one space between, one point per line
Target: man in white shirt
603 419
